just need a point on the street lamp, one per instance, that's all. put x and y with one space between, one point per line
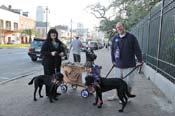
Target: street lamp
71 31
46 11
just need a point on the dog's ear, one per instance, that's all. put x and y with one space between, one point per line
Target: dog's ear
86 78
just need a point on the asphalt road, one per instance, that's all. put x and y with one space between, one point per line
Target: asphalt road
16 63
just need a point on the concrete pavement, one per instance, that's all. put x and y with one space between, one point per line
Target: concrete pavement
16 98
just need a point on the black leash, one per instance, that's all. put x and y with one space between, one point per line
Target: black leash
110 71
126 74
131 71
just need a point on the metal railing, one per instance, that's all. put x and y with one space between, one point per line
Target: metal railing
156 36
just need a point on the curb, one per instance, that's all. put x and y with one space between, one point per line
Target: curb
12 79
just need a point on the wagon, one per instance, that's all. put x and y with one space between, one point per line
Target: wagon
74 75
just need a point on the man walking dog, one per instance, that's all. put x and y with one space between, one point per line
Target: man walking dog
124 48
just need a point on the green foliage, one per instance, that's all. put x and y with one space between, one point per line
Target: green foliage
134 11
29 32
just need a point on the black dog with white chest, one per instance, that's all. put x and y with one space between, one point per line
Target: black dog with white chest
105 84
52 83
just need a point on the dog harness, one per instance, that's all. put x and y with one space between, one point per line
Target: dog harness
96 80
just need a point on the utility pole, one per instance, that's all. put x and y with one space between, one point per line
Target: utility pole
71 30
47 11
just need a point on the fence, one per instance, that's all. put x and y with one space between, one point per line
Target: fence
156 36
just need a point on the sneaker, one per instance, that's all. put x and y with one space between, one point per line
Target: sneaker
129 100
112 98
120 102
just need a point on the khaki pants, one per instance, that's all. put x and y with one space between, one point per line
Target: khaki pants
119 73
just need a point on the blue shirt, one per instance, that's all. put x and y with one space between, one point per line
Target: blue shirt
76 46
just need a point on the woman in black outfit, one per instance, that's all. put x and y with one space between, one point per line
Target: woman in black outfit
52 51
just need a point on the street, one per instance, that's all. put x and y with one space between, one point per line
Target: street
17 96
16 63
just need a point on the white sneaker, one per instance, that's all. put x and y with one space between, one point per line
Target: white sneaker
112 98
120 102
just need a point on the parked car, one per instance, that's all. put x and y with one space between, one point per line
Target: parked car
35 49
100 45
14 42
93 45
85 46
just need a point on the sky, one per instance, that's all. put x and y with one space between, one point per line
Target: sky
60 11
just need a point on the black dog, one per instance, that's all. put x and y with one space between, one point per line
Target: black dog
51 82
105 84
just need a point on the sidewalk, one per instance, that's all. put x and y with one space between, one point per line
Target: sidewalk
16 99
149 99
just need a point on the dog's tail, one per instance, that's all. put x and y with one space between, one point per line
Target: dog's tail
31 82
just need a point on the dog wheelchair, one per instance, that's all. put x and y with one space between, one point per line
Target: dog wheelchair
74 75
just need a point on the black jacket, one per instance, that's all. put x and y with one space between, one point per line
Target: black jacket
128 48
48 59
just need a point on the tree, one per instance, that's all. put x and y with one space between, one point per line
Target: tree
99 12
128 11
29 32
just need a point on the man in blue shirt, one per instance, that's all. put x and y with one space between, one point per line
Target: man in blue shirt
76 49
124 49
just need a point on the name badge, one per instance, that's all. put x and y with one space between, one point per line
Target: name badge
117 53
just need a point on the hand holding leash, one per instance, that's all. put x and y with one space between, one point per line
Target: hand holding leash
53 53
61 54
140 64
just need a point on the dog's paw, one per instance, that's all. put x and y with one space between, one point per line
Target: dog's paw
58 94
94 104
51 101
55 98
120 110
35 99
99 106
41 96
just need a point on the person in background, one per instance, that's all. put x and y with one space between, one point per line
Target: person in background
124 48
76 49
52 52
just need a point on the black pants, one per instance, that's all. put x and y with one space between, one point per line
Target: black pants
50 71
77 57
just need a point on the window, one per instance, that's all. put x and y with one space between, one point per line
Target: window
15 26
8 25
1 24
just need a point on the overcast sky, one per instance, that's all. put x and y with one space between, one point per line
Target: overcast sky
61 11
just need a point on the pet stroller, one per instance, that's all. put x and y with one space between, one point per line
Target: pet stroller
74 74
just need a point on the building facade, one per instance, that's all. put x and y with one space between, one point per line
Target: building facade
9 25
12 23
